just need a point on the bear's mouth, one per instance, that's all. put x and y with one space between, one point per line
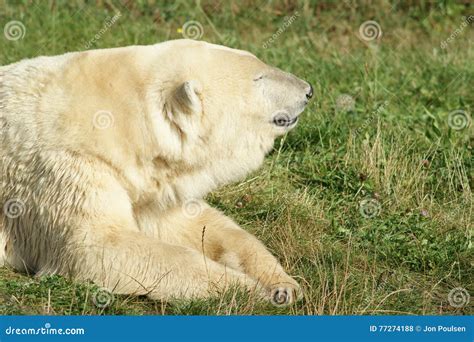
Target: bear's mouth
284 121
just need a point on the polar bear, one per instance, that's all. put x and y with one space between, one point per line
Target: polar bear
107 155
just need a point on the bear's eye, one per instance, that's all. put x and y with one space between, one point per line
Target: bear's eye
259 77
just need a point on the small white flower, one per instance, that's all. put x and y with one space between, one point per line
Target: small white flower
345 103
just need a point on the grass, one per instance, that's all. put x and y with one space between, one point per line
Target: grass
377 135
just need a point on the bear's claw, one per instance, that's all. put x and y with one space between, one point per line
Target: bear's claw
281 296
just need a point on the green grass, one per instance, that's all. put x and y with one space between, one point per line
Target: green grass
394 145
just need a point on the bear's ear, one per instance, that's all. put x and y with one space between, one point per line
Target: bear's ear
185 99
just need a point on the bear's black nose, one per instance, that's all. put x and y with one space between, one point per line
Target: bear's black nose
309 94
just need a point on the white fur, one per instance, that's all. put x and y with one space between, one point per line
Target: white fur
105 150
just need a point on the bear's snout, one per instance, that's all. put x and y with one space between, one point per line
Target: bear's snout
309 94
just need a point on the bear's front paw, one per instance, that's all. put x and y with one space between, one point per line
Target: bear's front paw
285 294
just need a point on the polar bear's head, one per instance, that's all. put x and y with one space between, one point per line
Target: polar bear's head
223 108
